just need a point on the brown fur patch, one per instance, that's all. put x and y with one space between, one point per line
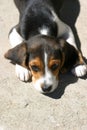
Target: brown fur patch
53 62
37 62
80 58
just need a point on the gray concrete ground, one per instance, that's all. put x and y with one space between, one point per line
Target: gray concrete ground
21 106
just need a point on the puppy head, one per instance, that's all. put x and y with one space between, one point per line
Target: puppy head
43 56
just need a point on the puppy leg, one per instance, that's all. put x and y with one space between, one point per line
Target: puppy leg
80 69
66 32
22 73
15 39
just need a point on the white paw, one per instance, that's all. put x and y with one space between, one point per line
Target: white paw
22 73
80 70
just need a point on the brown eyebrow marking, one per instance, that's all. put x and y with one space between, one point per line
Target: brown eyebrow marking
39 63
52 62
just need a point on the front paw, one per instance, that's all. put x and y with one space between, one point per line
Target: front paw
22 73
80 70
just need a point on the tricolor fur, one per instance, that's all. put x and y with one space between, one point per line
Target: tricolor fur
43 45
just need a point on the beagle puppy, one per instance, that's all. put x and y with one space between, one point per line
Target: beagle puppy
43 46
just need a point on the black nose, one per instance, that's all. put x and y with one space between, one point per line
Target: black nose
46 88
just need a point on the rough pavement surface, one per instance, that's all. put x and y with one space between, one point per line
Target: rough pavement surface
21 106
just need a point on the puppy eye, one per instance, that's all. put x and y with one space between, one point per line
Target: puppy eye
35 68
54 67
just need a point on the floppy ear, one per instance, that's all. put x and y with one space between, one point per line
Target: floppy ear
18 54
70 55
